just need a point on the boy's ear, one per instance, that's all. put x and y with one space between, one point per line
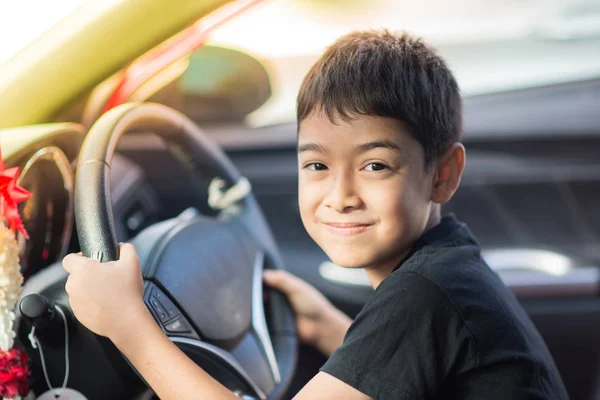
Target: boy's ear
447 174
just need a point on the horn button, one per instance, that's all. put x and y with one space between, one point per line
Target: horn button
206 268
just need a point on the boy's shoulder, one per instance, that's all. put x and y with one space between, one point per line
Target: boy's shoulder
447 261
446 254
444 274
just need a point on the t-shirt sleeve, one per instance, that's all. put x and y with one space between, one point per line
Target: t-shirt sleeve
404 342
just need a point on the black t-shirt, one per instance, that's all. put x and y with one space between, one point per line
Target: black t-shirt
444 326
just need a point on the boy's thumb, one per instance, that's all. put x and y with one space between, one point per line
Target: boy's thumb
282 280
127 251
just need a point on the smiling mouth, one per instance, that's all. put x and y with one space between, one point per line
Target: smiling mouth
345 229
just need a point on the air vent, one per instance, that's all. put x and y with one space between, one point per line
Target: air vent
136 218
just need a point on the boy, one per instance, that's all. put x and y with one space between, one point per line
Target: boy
378 152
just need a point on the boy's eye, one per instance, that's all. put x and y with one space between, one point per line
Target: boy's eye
375 167
316 167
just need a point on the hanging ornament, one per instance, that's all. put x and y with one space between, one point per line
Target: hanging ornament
14 363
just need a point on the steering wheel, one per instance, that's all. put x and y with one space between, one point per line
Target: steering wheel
202 274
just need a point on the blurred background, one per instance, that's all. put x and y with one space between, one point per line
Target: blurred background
529 71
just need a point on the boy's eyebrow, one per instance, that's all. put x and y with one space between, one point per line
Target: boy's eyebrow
311 146
387 144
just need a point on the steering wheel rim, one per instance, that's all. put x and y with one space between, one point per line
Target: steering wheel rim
185 140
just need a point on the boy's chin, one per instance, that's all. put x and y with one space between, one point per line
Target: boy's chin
348 262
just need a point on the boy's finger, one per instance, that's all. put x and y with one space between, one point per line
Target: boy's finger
283 281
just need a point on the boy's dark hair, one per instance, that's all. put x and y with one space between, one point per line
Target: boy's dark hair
387 75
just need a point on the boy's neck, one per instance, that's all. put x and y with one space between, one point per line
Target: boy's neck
377 274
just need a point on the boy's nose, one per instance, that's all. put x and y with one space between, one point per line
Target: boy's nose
342 196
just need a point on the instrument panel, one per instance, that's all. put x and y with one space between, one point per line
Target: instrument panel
48 214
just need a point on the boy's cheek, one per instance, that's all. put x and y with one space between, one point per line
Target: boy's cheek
309 194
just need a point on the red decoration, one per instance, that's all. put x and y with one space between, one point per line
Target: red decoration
11 195
14 372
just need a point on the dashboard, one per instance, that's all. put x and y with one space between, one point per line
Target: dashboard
48 214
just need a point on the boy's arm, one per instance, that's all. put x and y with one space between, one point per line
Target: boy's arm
170 373
324 386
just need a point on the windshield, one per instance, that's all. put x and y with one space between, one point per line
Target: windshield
21 22
491 45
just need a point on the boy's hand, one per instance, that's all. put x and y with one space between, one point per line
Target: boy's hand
106 297
318 322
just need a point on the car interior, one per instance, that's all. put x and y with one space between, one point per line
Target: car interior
529 193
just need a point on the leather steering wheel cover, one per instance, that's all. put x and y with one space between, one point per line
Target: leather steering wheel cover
185 140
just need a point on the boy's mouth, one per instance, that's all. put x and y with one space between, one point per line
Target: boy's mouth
345 228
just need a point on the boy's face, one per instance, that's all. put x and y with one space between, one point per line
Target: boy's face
364 193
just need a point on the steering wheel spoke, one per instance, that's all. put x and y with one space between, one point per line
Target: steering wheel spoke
259 322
